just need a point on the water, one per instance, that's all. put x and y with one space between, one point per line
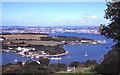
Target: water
77 52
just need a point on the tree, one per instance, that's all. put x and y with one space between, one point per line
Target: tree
74 63
93 62
44 61
112 30
56 67
87 63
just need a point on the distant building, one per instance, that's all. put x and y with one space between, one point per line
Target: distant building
23 63
23 49
84 41
19 48
7 43
10 48
33 49
1 39
38 62
70 68
63 41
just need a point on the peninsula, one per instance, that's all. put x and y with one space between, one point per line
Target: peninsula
37 45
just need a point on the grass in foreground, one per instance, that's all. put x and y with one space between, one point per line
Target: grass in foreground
79 70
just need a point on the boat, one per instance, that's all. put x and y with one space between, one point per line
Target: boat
7 51
15 60
32 57
68 57
86 54
53 58
37 56
102 56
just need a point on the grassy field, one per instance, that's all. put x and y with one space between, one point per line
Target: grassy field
29 39
46 43
23 36
79 70
33 39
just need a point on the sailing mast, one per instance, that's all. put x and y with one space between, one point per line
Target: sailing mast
86 54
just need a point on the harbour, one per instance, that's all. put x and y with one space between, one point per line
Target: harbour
77 51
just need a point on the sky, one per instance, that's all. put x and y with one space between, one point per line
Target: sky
53 13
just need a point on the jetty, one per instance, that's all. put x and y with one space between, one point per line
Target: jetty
58 54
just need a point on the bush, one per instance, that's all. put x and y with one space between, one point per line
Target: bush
74 63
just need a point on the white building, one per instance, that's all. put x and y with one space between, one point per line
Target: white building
23 49
38 62
63 41
19 48
1 39
84 41
70 68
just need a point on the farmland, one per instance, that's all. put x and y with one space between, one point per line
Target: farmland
32 42
23 36
18 40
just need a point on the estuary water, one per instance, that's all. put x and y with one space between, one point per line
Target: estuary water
77 52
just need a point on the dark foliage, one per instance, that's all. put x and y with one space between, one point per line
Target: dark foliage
56 67
109 64
70 38
112 30
29 67
32 67
74 63
48 39
63 38
111 60
48 49
34 33
90 63
44 61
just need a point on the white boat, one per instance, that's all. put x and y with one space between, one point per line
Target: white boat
102 56
68 57
37 56
7 51
15 60
32 57
86 54
53 58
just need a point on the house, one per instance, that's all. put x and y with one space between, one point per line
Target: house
19 48
10 48
63 41
84 41
7 43
23 63
38 62
23 49
70 68
33 49
1 39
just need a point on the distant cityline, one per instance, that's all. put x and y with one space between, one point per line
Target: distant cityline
40 29
48 26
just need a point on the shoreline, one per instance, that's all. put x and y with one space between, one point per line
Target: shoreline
56 55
